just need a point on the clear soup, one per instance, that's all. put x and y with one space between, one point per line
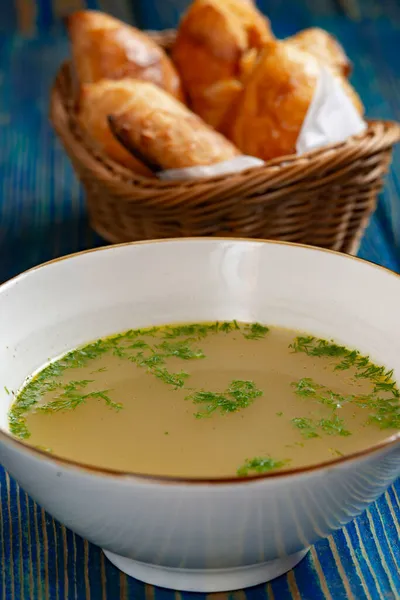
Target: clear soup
207 400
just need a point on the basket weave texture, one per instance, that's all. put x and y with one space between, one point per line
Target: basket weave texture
323 198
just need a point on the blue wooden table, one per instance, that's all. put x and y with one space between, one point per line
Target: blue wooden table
42 216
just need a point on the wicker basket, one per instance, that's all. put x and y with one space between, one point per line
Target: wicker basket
324 198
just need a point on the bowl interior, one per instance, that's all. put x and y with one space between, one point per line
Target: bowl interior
54 308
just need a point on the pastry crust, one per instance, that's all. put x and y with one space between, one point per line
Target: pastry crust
324 47
106 48
154 125
271 109
216 46
96 102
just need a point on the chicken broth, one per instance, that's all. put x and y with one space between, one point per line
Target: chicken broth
207 400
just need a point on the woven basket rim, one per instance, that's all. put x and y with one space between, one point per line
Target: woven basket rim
62 117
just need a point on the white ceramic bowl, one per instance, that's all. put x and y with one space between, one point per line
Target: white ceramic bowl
188 534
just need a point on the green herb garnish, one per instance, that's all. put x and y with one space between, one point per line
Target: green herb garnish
349 359
385 412
336 452
310 428
255 331
308 388
17 421
181 349
71 398
101 370
240 394
138 345
195 330
386 386
306 426
154 360
260 465
30 395
177 380
333 426
316 347
127 346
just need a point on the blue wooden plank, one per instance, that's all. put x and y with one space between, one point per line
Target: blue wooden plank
8 17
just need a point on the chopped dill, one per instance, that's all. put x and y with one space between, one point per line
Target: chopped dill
365 369
181 349
316 347
177 380
196 330
72 397
385 412
17 422
120 352
129 345
255 331
150 331
308 388
138 345
151 361
260 465
240 394
226 326
336 452
333 426
29 396
387 386
309 428
72 386
306 426
7 391
151 348
101 370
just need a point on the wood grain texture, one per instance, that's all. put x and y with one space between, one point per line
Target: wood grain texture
42 215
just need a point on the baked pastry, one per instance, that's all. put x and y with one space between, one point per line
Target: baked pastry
96 102
164 133
271 109
216 47
324 47
106 48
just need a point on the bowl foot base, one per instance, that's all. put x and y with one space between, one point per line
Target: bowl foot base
207 580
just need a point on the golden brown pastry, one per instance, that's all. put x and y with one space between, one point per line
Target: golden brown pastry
216 47
324 47
270 111
166 134
106 48
96 102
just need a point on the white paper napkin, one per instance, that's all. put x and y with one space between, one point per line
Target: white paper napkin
233 165
331 116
